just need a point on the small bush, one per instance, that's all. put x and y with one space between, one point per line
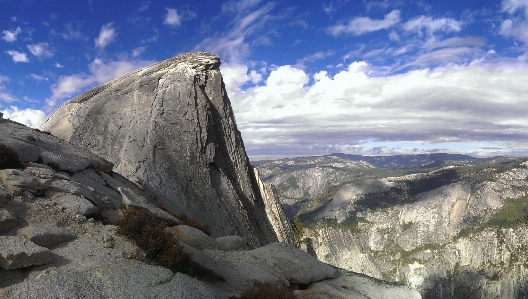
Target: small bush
8 158
149 234
267 291
193 223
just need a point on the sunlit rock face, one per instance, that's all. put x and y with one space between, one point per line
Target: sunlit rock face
170 128
454 231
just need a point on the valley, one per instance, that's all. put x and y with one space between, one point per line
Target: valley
451 226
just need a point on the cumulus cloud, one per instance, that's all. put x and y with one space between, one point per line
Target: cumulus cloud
362 25
174 19
236 75
29 117
106 35
11 36
100 72
58 65
481 104
40 50
18 56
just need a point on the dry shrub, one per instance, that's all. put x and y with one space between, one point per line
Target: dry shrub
267 290
149 234
193 223
8 158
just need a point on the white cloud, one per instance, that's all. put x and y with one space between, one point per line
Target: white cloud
236 75
172 18
5 96
313 57
480 103
232 44
38 77
11 36
58 65
40 50
106 36
29 117
511 6
431 25
515 26
100 72
72 34
17 56
138 51
362 25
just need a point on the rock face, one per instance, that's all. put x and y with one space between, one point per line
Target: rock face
170 128
459 231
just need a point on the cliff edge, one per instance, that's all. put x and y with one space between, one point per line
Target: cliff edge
170 128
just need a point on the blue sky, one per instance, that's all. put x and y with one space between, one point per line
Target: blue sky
304 77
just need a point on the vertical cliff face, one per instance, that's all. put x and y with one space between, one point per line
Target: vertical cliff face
274 211
170 128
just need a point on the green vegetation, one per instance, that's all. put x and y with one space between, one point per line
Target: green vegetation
267 290
298 228
511 215
8 158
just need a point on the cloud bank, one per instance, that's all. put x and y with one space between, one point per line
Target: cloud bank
295 113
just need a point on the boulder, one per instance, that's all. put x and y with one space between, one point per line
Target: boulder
297 265
47 236
277 263
41 171
90 178
229 243
18 252
76 204
18 181
134 279
7 220
355 285
193 237
131 199
66 186
32 145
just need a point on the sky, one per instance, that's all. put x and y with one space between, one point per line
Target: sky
304 77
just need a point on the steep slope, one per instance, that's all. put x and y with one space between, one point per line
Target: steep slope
456 231
170 128
59 239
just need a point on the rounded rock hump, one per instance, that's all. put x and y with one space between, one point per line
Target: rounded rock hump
170 128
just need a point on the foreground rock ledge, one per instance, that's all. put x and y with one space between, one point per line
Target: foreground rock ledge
170 128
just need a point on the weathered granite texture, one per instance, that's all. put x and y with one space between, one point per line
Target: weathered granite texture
170 128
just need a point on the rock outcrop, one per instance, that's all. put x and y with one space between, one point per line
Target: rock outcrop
170 128
59 239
